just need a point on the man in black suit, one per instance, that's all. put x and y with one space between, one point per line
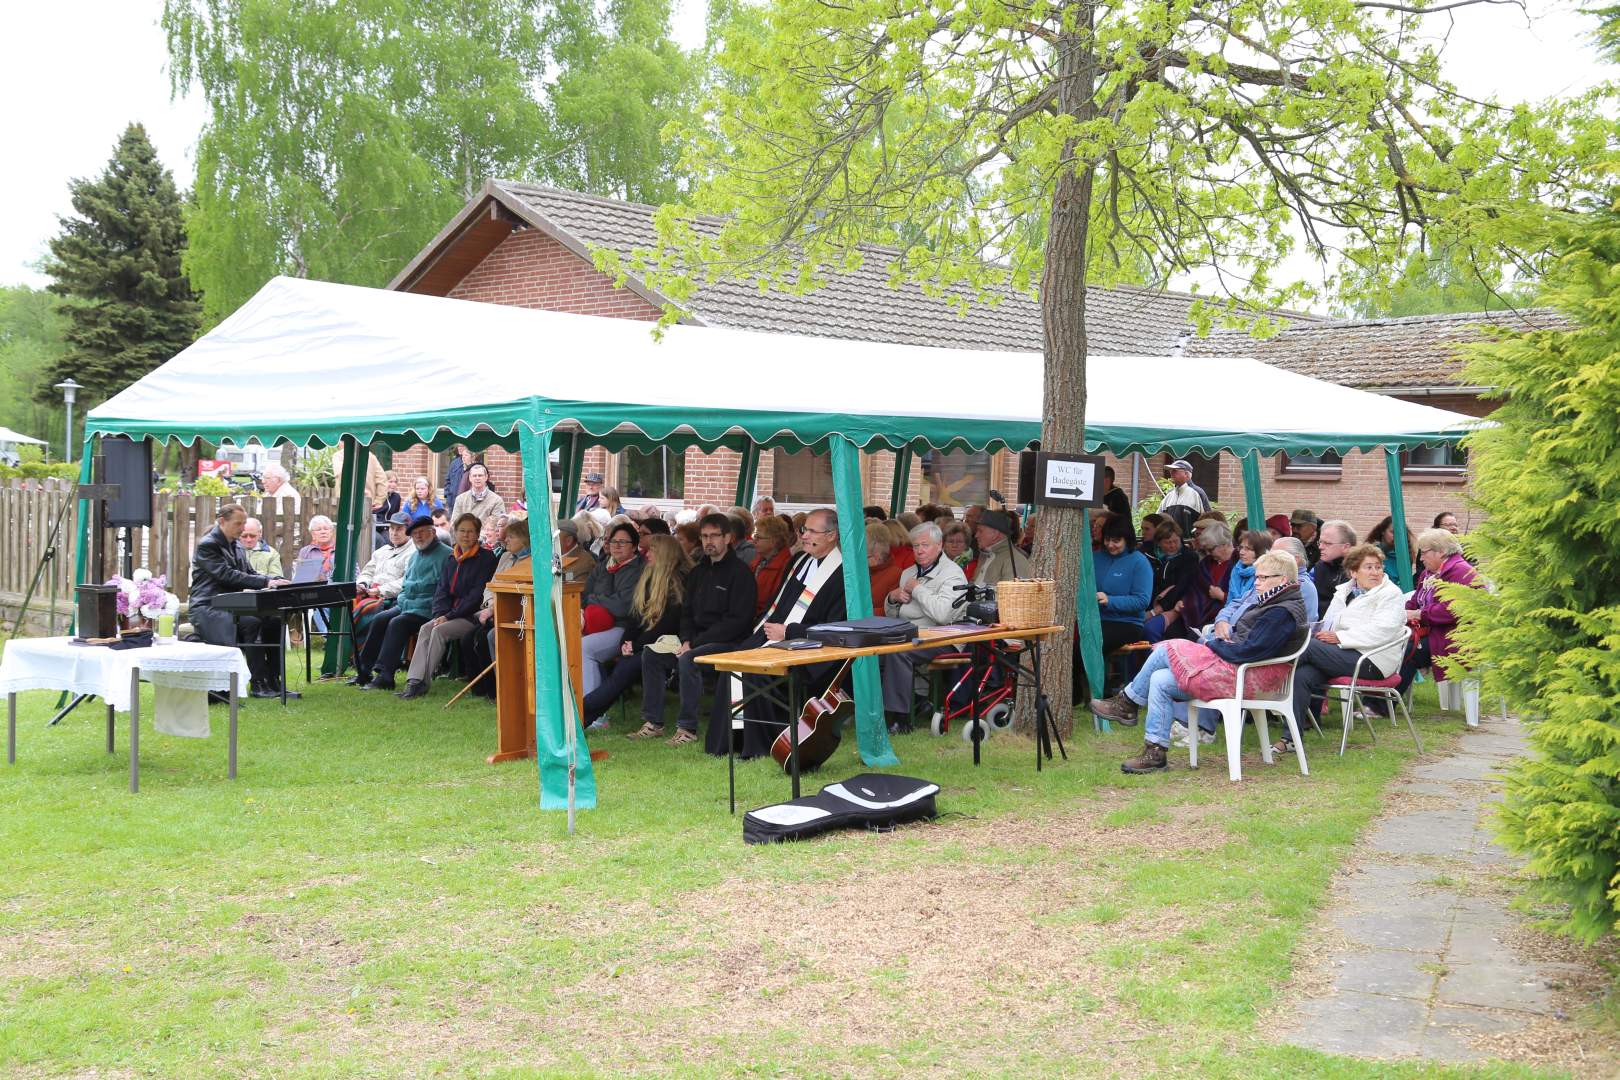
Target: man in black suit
812 592
218 565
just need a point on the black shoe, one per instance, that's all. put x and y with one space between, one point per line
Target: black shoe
899 723
414 688
265 692
356 680
381 682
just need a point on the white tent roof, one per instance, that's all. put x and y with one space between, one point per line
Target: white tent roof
9 436
313 360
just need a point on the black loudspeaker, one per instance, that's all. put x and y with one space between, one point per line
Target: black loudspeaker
1026 477
129 465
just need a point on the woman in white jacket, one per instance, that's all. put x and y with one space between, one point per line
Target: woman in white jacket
926 595
1368 611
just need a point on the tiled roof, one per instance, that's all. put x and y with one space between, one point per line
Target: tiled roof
1419 350
1120 321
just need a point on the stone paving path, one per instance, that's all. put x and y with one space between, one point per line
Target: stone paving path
1422 924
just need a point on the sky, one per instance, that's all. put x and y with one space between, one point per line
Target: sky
87 68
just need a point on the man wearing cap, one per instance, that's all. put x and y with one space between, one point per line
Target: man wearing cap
1183 492
1305 527
998 560
380 580
384 647
576 559
717 613
593 493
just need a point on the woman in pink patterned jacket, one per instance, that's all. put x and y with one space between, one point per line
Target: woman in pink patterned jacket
1427 611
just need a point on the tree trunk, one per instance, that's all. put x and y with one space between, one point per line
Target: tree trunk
1063 400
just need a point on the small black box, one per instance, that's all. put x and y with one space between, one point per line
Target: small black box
98 610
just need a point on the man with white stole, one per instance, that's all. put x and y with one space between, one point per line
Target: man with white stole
812 593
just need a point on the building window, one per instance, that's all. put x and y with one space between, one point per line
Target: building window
957 478
803 477
1329 463
659 474
1447 462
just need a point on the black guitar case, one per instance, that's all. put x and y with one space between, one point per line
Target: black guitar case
870 800
859 633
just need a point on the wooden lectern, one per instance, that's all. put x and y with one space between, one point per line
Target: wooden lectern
514 658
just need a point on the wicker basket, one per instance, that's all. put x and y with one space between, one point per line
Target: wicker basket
1025 604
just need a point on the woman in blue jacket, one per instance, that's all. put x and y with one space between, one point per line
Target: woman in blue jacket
1124 585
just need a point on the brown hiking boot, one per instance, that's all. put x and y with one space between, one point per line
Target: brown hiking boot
1119 708
1151 759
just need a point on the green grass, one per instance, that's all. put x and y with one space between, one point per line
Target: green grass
370 898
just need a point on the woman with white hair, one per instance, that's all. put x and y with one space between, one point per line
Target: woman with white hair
323 546
1427 611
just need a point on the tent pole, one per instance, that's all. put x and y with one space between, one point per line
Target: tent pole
871 731
1397 519
902 478
747 473
1087 613
550 672
1251 490
81 552
1136 465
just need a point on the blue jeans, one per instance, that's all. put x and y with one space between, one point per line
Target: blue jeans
1155 686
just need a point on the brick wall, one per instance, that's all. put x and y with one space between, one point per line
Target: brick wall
530 269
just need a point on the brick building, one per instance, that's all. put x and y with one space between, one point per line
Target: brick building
531 246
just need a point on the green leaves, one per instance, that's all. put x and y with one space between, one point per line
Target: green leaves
1547 635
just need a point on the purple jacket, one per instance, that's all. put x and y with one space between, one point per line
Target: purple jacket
1435 613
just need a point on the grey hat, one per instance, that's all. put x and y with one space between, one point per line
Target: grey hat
997 520
1179 463
569 526
1302 517
594 478
400 518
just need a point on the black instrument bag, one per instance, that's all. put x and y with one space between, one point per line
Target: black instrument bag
870 800
857 633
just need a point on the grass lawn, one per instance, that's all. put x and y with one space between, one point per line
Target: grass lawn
370 898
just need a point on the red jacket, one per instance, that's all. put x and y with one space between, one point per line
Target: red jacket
768 578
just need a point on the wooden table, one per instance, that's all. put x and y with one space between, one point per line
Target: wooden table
781 667
514 659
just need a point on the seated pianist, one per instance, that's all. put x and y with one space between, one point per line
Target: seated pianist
219 565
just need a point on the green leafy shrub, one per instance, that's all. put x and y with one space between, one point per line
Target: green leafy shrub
1547 636
314 470
211 485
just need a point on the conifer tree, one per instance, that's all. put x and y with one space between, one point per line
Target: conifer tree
117 261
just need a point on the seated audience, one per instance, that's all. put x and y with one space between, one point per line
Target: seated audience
1124 586
609 501
899 545
456 603
605 603
764 506
655 612
1307 587
263 558
997 559
1335 538
278 486
575 558
875 513
588 531
1383 535
647 528
686 534
909 520
773 539
743 535
958 543
1277 525
380 580
1208 595
1181 670
1367 611
1175 572
880 562
1427 611
718 612
925 593
1148 534
1448 521
441 526
383 650
516 549
1251 545
322 545
1303 526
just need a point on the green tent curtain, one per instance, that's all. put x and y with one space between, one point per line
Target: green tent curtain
747 473
1087 613
1397 515
1256 505
902 480
551 744
872 734
352 507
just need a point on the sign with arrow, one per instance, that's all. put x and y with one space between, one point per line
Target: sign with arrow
1073 480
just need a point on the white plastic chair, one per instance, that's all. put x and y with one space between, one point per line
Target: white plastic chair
1351 689
1233 708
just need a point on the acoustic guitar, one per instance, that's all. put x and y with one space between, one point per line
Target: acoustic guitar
820 727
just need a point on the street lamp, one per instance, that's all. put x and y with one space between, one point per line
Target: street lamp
70 391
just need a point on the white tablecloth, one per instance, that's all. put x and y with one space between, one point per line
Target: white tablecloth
58 664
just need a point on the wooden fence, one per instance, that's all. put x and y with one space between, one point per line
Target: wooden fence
164 547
